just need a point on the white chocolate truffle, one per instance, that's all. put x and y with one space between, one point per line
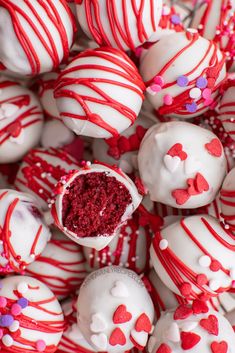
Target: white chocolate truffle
31 317
93 203
21 121
100 93
40 170
215 20
177 172
122 150
55 134
38 34
183 73
227 200
178 332
24 234
124 25
227 109
116 315
46 85
61 266
195 257
129 248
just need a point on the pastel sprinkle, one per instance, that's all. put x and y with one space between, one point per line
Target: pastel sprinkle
201 82
23 302
195 93
159 80
7 340
22 287
206 93
6 320
3 302
156 88
168 99
175 19
16 309
163 245
182 81
191 108
15 326
41 345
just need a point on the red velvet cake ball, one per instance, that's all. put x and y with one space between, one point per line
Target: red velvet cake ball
92 203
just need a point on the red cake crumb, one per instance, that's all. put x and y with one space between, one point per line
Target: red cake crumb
94 205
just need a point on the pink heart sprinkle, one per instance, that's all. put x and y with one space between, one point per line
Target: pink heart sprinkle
156 88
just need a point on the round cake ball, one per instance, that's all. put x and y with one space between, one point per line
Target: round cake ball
100 93
93 203
24 234
31 317
122 150
183 73
124 25
38 33
164 299
46 85
55 134
227 109
61 266
192 329
72 339
177 172
129 248
195 257
216 20
21 120
40 170
116 315
227 200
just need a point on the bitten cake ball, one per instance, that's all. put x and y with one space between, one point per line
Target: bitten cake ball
227 200
35 35
119 24
24 234
40 170
100 93
192 329
195 257
182 165
61 266
117 315
92 203
21 120
183 73
215 20
31 317
227 109
129 248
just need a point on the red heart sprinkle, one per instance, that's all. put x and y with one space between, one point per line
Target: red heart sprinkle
200 183
143 324
117 337
121 315
164 348
177 151
189 340
219 347
182 312
210 325
199 307
191 187
180 195
214 147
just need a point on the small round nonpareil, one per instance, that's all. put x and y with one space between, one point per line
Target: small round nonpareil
182 165
100 93
118 315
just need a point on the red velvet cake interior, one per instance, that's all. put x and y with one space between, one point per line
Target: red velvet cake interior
94 205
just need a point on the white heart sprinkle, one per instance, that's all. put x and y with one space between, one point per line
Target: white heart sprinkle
120 290
98 323
9 109
173 333
191 165
19 140
140 337
100 341
171 163
204 261
189 326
